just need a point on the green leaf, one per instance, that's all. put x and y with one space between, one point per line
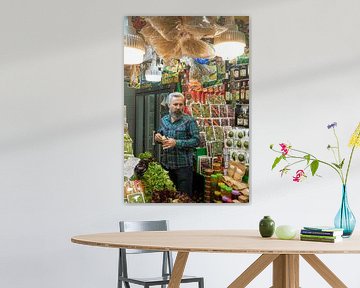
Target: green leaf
314 166
276 161
339 166
342 163
336 165
307 157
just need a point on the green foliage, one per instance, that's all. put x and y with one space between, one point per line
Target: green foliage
339 165
276 161
307 157
314 166
156 178
145 155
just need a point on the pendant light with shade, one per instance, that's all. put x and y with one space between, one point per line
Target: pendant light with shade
230 43
134 46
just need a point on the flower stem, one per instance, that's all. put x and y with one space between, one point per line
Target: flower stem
337 145
300 151
339 156
320 161
351 155
296 162
333 152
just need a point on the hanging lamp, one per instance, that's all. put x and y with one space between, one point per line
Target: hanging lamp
134 46
153 73
230 43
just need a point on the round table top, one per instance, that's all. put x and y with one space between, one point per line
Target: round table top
219 241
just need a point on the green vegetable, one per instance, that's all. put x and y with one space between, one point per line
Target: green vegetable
229 143
145 155
156 178
241 157
246 144
234 155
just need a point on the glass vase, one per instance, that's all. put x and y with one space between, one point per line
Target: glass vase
345 219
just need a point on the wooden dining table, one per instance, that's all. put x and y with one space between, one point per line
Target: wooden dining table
283 254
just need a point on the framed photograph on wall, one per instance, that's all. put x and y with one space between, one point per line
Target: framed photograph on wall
187 109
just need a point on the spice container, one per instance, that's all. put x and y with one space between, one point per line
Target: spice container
217 196
226 192
235 194
217 167
223 190
214 181
226 199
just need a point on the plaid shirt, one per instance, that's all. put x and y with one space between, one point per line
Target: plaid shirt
186 133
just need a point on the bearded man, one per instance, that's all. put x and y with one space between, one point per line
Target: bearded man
179 135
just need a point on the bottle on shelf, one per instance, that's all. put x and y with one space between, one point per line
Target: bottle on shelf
228 94
243 93
236 73
245 116
243 72
247 92
239 121
227 75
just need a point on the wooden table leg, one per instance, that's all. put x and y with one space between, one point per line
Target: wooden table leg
178 270
286 271
253 270
324 271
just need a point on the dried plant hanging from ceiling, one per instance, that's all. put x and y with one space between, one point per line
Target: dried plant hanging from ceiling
177 36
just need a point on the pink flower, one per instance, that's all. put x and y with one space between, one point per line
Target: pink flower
300 174
284 148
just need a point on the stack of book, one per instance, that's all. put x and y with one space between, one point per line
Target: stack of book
321 234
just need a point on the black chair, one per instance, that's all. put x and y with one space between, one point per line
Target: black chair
167 265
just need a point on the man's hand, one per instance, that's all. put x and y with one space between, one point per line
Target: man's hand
159 138
169 143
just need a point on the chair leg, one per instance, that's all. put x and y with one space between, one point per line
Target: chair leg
201 283
120 270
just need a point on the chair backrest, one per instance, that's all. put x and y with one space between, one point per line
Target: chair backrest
134 226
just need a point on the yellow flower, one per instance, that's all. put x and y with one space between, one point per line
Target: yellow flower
355 137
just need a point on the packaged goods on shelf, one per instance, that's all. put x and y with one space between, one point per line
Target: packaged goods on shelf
203 163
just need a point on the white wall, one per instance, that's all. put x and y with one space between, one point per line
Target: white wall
61 119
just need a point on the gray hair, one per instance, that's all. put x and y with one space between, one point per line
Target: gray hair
174 95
